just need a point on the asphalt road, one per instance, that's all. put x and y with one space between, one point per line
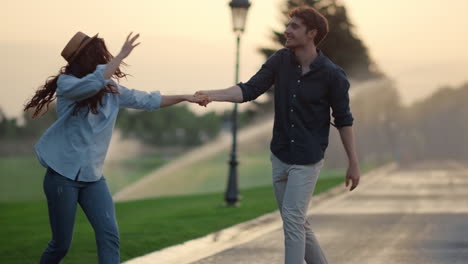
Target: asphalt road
415 215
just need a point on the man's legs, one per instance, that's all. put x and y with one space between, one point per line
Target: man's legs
96 201
313 252
293 186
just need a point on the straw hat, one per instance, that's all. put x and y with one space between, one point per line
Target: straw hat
75 45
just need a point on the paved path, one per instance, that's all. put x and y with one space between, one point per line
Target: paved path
417 215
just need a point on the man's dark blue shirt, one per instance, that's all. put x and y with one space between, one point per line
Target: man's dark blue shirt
302 104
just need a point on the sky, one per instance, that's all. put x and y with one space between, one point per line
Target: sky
189 45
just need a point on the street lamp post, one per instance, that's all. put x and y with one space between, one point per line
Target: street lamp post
239 10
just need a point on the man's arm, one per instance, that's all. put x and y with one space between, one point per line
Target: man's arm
232 94
344 120
256 86
353 173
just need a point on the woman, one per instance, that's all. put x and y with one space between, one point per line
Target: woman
73 149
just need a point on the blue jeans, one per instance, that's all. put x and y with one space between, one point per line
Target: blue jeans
63 195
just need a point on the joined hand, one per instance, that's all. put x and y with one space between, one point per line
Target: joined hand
200 98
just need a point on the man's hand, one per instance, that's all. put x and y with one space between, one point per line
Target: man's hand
353 174
199 98
202 98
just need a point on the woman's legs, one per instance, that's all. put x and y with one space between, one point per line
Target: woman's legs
96 201
62 197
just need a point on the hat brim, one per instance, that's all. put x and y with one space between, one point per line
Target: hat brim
85 43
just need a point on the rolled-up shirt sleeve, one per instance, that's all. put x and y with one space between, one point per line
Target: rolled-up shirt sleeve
130 98
78 89
339 98
262 80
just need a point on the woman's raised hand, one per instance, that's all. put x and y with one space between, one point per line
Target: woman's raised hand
129 45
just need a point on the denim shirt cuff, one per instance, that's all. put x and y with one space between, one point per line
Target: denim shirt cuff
99 73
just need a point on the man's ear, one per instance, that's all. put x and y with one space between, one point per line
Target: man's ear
312 33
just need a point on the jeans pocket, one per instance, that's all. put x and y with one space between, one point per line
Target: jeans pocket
278 168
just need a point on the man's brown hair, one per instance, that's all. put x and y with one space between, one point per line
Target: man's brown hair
312 19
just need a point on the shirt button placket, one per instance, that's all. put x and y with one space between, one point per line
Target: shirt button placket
292 125
292 110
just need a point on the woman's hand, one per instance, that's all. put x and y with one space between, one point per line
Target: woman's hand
128 46
200 98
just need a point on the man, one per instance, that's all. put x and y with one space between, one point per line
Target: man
307 84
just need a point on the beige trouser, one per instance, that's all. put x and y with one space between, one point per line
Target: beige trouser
293 186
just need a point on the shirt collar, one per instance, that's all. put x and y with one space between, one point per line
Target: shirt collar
317 62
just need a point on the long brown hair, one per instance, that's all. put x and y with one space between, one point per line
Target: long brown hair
93 54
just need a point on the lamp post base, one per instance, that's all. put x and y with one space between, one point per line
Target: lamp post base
232 193
235 205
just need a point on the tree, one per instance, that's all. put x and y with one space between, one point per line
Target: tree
438 125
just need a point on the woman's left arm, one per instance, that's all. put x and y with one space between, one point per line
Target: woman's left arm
168 100
130 98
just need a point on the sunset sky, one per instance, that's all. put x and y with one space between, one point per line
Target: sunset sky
188 45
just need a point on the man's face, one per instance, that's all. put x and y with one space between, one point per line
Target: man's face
297 35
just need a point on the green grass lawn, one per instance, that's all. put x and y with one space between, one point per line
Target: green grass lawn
21 177
210 175
122 173
145 225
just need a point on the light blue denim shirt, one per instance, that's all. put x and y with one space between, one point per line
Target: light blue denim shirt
76 145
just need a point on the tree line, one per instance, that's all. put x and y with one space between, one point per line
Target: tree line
435 128
175 126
